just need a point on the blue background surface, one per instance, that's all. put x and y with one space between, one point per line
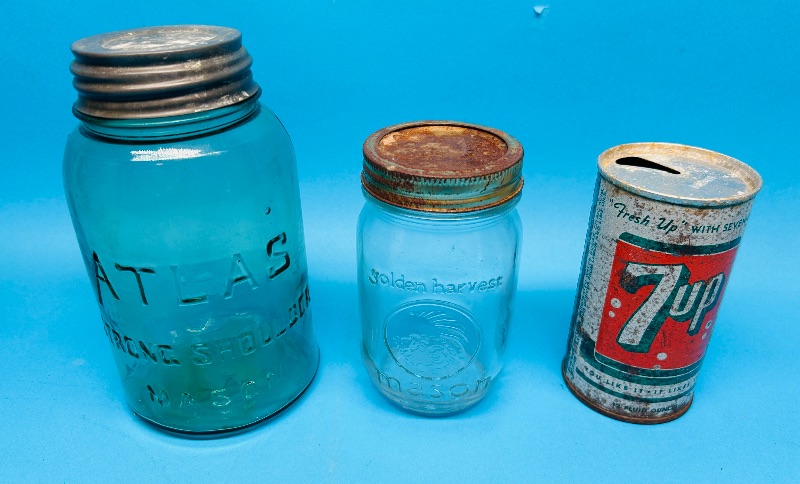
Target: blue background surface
579 78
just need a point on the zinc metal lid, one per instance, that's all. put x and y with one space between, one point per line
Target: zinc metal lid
158 72
679 174
442 166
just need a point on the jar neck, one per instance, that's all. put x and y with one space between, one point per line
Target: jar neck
158 129
477 216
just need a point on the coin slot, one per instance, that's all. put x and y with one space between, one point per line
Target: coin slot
642 163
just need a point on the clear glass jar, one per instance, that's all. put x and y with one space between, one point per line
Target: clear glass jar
190 227
438 249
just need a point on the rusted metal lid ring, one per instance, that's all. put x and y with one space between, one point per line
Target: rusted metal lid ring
442 166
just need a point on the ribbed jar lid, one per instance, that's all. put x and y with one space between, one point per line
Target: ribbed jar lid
157 72
442 166
679 174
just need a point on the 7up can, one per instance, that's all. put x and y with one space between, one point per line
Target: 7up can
666 223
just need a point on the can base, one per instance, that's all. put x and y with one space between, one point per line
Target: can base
616 416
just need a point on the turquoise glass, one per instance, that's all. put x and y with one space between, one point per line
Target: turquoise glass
191 231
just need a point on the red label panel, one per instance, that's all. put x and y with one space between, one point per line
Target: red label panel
662 301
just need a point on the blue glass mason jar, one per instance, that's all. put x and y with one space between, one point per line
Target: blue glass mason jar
438 250
184 197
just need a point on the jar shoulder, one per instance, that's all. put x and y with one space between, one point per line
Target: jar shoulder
375 220
252 162
261 127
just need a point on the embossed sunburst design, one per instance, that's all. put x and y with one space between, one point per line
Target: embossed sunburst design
432 340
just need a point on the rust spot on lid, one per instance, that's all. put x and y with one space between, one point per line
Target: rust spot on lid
439 149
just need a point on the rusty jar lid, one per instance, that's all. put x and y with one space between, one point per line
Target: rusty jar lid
442 166
679 174
157 72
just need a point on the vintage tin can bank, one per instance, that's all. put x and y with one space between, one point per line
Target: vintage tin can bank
666 223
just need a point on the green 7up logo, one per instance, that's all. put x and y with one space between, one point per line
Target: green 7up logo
661 302
671 296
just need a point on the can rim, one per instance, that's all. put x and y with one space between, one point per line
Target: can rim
739 169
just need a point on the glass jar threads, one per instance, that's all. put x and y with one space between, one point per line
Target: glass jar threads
438 249
184 196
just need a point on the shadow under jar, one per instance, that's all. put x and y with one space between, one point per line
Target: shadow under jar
438 249
184 197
